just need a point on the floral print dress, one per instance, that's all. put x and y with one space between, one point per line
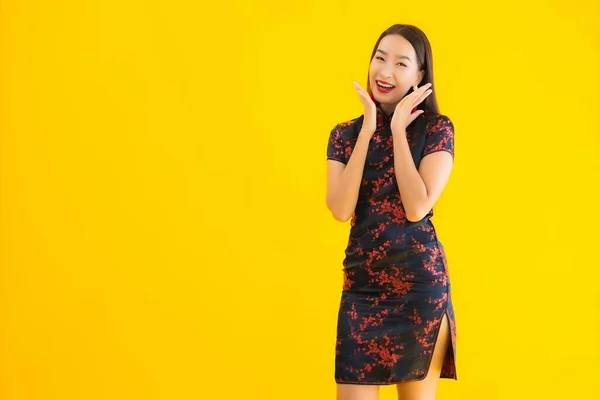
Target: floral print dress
396 286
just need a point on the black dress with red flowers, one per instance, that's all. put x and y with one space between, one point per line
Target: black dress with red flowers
396 286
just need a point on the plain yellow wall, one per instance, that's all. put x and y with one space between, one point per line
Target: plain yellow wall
164 229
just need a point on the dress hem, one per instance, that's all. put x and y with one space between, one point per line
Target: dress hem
450 348
390 383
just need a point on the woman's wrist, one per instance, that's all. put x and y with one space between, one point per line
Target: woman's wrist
365 134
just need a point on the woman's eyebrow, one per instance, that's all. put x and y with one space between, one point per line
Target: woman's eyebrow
398 56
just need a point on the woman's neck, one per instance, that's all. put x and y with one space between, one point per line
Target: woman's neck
388 109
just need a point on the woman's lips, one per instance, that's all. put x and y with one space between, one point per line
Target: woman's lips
382 89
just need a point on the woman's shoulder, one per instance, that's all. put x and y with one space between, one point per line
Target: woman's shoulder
349 127
430 115
432 122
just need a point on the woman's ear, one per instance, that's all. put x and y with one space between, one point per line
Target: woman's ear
421 74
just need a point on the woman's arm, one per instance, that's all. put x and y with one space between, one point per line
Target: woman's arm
420 189
343 181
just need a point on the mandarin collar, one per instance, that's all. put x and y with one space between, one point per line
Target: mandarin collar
383 120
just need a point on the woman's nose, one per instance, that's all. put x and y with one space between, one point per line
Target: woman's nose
386 72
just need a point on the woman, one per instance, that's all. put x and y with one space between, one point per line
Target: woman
386 170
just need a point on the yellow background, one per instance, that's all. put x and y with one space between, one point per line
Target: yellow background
164 229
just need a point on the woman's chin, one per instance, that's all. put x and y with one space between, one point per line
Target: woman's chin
385 99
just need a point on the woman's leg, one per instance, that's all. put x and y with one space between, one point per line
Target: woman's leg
425 389
357 392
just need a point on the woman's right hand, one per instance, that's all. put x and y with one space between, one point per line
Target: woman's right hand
370 114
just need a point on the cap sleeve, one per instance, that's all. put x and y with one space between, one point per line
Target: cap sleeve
336 147
440 136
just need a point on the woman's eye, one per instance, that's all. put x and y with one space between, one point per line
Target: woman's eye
402 64
379 58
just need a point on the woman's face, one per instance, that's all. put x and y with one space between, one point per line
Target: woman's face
393 70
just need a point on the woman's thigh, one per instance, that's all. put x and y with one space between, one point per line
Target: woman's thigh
357 392
425 389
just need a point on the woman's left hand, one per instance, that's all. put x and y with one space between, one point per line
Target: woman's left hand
403 115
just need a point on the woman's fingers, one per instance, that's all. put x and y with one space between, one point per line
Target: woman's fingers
422 97
360 89
364 95
420 94
357 86
422 88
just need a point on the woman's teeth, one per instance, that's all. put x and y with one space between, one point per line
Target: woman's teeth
385 86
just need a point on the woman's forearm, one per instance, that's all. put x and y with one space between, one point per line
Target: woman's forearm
343 198
412 188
